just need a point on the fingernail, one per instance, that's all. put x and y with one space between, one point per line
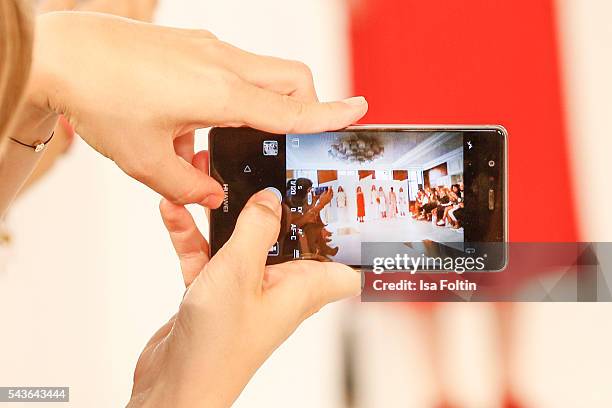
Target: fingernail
356 101
276 192
270 197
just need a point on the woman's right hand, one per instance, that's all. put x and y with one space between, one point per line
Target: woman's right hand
136 92
236 310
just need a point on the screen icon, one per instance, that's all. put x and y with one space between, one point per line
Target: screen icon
270 148
295 143
275 250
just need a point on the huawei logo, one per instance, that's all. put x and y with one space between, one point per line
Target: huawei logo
225 198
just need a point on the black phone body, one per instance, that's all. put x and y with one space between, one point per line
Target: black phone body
438 185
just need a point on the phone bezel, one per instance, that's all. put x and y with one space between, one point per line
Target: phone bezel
421 127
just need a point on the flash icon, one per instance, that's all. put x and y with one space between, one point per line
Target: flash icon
469 145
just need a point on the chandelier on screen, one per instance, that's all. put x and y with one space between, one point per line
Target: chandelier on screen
353 148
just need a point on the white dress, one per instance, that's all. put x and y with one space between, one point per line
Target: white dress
401 203
372 212
341 199
342 203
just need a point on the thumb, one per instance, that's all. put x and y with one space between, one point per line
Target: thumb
256 231
310 285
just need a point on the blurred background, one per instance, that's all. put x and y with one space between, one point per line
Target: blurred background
92 274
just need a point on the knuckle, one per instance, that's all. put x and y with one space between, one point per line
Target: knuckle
207 34
304 80
296 117
303 71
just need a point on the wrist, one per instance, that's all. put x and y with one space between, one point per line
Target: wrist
41 103
47 84
33 126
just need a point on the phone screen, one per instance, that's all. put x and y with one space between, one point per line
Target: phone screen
358 185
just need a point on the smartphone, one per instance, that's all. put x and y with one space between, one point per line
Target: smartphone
442 186
317 191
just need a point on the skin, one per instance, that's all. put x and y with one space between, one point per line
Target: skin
136 93
235 312
144 91
142 10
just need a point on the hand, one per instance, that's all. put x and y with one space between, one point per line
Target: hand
136 92
326 197
236 311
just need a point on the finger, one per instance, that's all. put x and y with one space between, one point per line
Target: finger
200 161
175 178
265 110
317 284
278 75
183 146
256 231
189 243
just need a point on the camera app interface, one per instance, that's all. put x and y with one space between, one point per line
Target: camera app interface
345 188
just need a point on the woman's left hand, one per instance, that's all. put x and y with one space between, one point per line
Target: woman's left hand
136 93
236 310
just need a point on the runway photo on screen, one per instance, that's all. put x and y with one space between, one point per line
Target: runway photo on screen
373 187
